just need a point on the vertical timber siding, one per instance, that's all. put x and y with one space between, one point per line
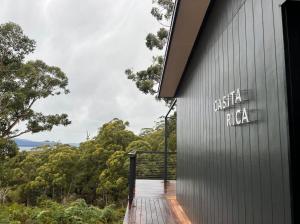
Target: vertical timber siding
235 175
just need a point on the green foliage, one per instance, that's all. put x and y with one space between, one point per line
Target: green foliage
14 45
114 138
157 40
153 139
22 84
65 184
50 212
114 135
8 149
61 183
162 9
113 180
147 80
172 133
139 146
91 163
156 136
62 172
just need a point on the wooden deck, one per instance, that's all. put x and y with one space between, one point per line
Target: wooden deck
155 203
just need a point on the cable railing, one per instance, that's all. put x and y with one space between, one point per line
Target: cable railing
150 165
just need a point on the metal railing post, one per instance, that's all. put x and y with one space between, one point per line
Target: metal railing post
131 177
166 151
166 142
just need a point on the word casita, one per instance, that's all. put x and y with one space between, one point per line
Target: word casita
228 100
237 117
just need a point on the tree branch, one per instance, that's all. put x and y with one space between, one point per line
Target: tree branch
16 135
18 119
168 26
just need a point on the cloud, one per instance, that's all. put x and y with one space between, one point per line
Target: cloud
93 42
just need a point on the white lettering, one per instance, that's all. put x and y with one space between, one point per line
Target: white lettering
237 117
215 107
245 118
219 105
228 118
232 97
233 122
238 98
228 100
224 102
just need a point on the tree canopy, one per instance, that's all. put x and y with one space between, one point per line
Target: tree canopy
61 183
22 84
148 79
62 179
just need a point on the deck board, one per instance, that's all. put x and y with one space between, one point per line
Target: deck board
155 203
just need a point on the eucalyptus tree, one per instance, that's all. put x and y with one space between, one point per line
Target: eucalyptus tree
147 80
23 84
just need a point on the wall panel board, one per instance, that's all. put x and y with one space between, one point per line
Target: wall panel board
236 174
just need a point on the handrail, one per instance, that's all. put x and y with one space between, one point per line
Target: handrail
154 152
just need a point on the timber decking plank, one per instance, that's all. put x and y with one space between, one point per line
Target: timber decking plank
155 203
159 212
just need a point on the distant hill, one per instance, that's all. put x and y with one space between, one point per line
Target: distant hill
28 143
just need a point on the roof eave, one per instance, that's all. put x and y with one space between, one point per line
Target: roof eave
186 23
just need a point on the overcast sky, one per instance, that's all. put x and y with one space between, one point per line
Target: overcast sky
93 42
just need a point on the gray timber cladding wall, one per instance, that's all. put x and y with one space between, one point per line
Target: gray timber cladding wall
238 174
